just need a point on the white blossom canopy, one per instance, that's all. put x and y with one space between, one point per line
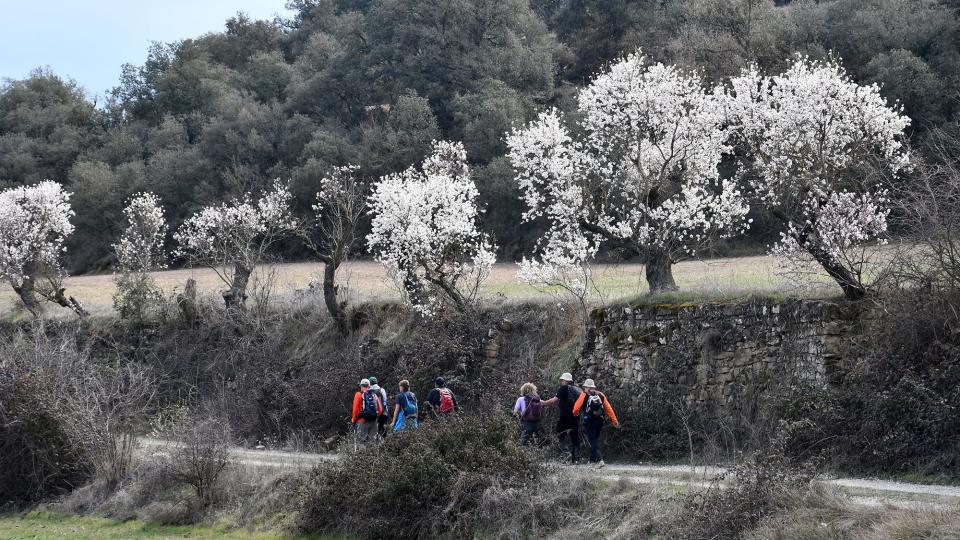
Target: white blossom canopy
644 173
140 248
425 226
813 139
34 224
236 235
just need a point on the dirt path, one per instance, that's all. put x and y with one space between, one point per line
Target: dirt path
865 491
868 492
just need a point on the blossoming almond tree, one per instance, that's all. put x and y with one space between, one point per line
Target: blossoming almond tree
425 232
139 251
813 141
643 177
34 225
233 238
331 234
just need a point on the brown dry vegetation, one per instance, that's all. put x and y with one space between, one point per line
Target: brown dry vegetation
367 281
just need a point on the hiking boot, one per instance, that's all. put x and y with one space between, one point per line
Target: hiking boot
601 464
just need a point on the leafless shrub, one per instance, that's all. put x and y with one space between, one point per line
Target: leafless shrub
106 408
199 458
929 207
97 407
821 512
570 505
752 490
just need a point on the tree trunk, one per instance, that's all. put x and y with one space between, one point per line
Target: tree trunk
659 271
236 295
187 301
852 288
452 293
335 308
851 285
411 284
28 296
60 298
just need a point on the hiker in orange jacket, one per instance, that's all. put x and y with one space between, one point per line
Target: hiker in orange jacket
367 407
594 406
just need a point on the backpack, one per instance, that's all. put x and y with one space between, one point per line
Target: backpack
573 393
369 411
593 406
533 410
410 404
446 400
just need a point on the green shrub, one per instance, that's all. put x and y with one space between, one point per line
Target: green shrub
420 483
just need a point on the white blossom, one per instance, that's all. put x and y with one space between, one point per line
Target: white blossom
34 225
140 248
812 137
644 174
233 238
140 251
424 229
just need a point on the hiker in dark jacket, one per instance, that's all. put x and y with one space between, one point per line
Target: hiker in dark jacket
529 409
441 400
568 429
384 418
594 406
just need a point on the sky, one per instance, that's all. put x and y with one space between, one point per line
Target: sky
90 40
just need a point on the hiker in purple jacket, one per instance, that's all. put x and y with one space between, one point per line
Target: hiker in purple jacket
529 409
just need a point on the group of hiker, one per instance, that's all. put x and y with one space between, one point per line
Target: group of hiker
372 418
588 407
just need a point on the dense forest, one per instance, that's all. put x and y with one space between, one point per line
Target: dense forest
373 82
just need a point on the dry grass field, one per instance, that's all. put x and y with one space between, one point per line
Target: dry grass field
367 281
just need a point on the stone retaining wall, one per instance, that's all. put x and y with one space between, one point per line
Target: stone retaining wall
717 353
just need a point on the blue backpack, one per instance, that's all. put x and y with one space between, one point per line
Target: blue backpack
370 411
409 404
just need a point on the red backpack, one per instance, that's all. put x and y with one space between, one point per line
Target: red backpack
446 400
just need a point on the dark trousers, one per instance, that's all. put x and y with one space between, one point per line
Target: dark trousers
529 431
593 437
382 422
568 434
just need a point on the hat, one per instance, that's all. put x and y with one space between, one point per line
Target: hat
566 377
373 380
589 384
440 382
364 382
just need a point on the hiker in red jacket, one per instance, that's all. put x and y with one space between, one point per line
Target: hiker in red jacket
367 407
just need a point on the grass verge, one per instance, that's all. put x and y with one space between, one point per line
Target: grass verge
43 525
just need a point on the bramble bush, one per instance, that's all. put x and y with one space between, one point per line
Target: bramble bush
896 409
38 457
760 486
